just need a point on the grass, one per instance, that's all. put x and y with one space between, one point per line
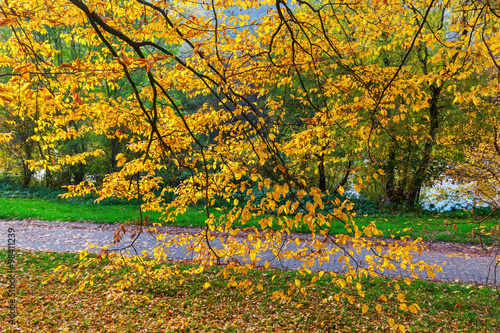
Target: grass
49 210
52 210
189 307
432 228
429 228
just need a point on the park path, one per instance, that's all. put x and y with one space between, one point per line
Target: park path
478 266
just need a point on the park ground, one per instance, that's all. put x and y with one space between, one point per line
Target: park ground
185 304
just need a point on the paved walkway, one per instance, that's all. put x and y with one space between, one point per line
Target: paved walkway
478 267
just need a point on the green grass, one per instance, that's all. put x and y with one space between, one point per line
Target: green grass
50 210
429 228
189 306
432 228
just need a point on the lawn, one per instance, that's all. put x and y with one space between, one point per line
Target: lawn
45 304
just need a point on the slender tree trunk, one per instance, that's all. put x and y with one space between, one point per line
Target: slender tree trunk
390 168
419 177
27 174
48 176
321 171
115 145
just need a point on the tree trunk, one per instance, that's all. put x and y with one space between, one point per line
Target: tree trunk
419 177
321 171
115 145
27 174
390 167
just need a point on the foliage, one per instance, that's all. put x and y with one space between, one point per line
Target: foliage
377 80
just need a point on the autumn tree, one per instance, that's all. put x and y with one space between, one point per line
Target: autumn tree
20 148
56 42
370 76
408 144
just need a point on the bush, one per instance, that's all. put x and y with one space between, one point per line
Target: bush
14 190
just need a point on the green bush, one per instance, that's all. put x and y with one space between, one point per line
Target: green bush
14 190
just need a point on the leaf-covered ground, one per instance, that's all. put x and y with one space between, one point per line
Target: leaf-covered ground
44 304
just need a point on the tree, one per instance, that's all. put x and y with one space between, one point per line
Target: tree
20 148
336 60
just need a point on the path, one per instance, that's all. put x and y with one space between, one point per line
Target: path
478 267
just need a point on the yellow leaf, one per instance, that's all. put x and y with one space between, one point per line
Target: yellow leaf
7 98
412 309
407 280
317 199
364 308
26 86
206 285
382 172
18 68
378 308
121 159
297 283
341 191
